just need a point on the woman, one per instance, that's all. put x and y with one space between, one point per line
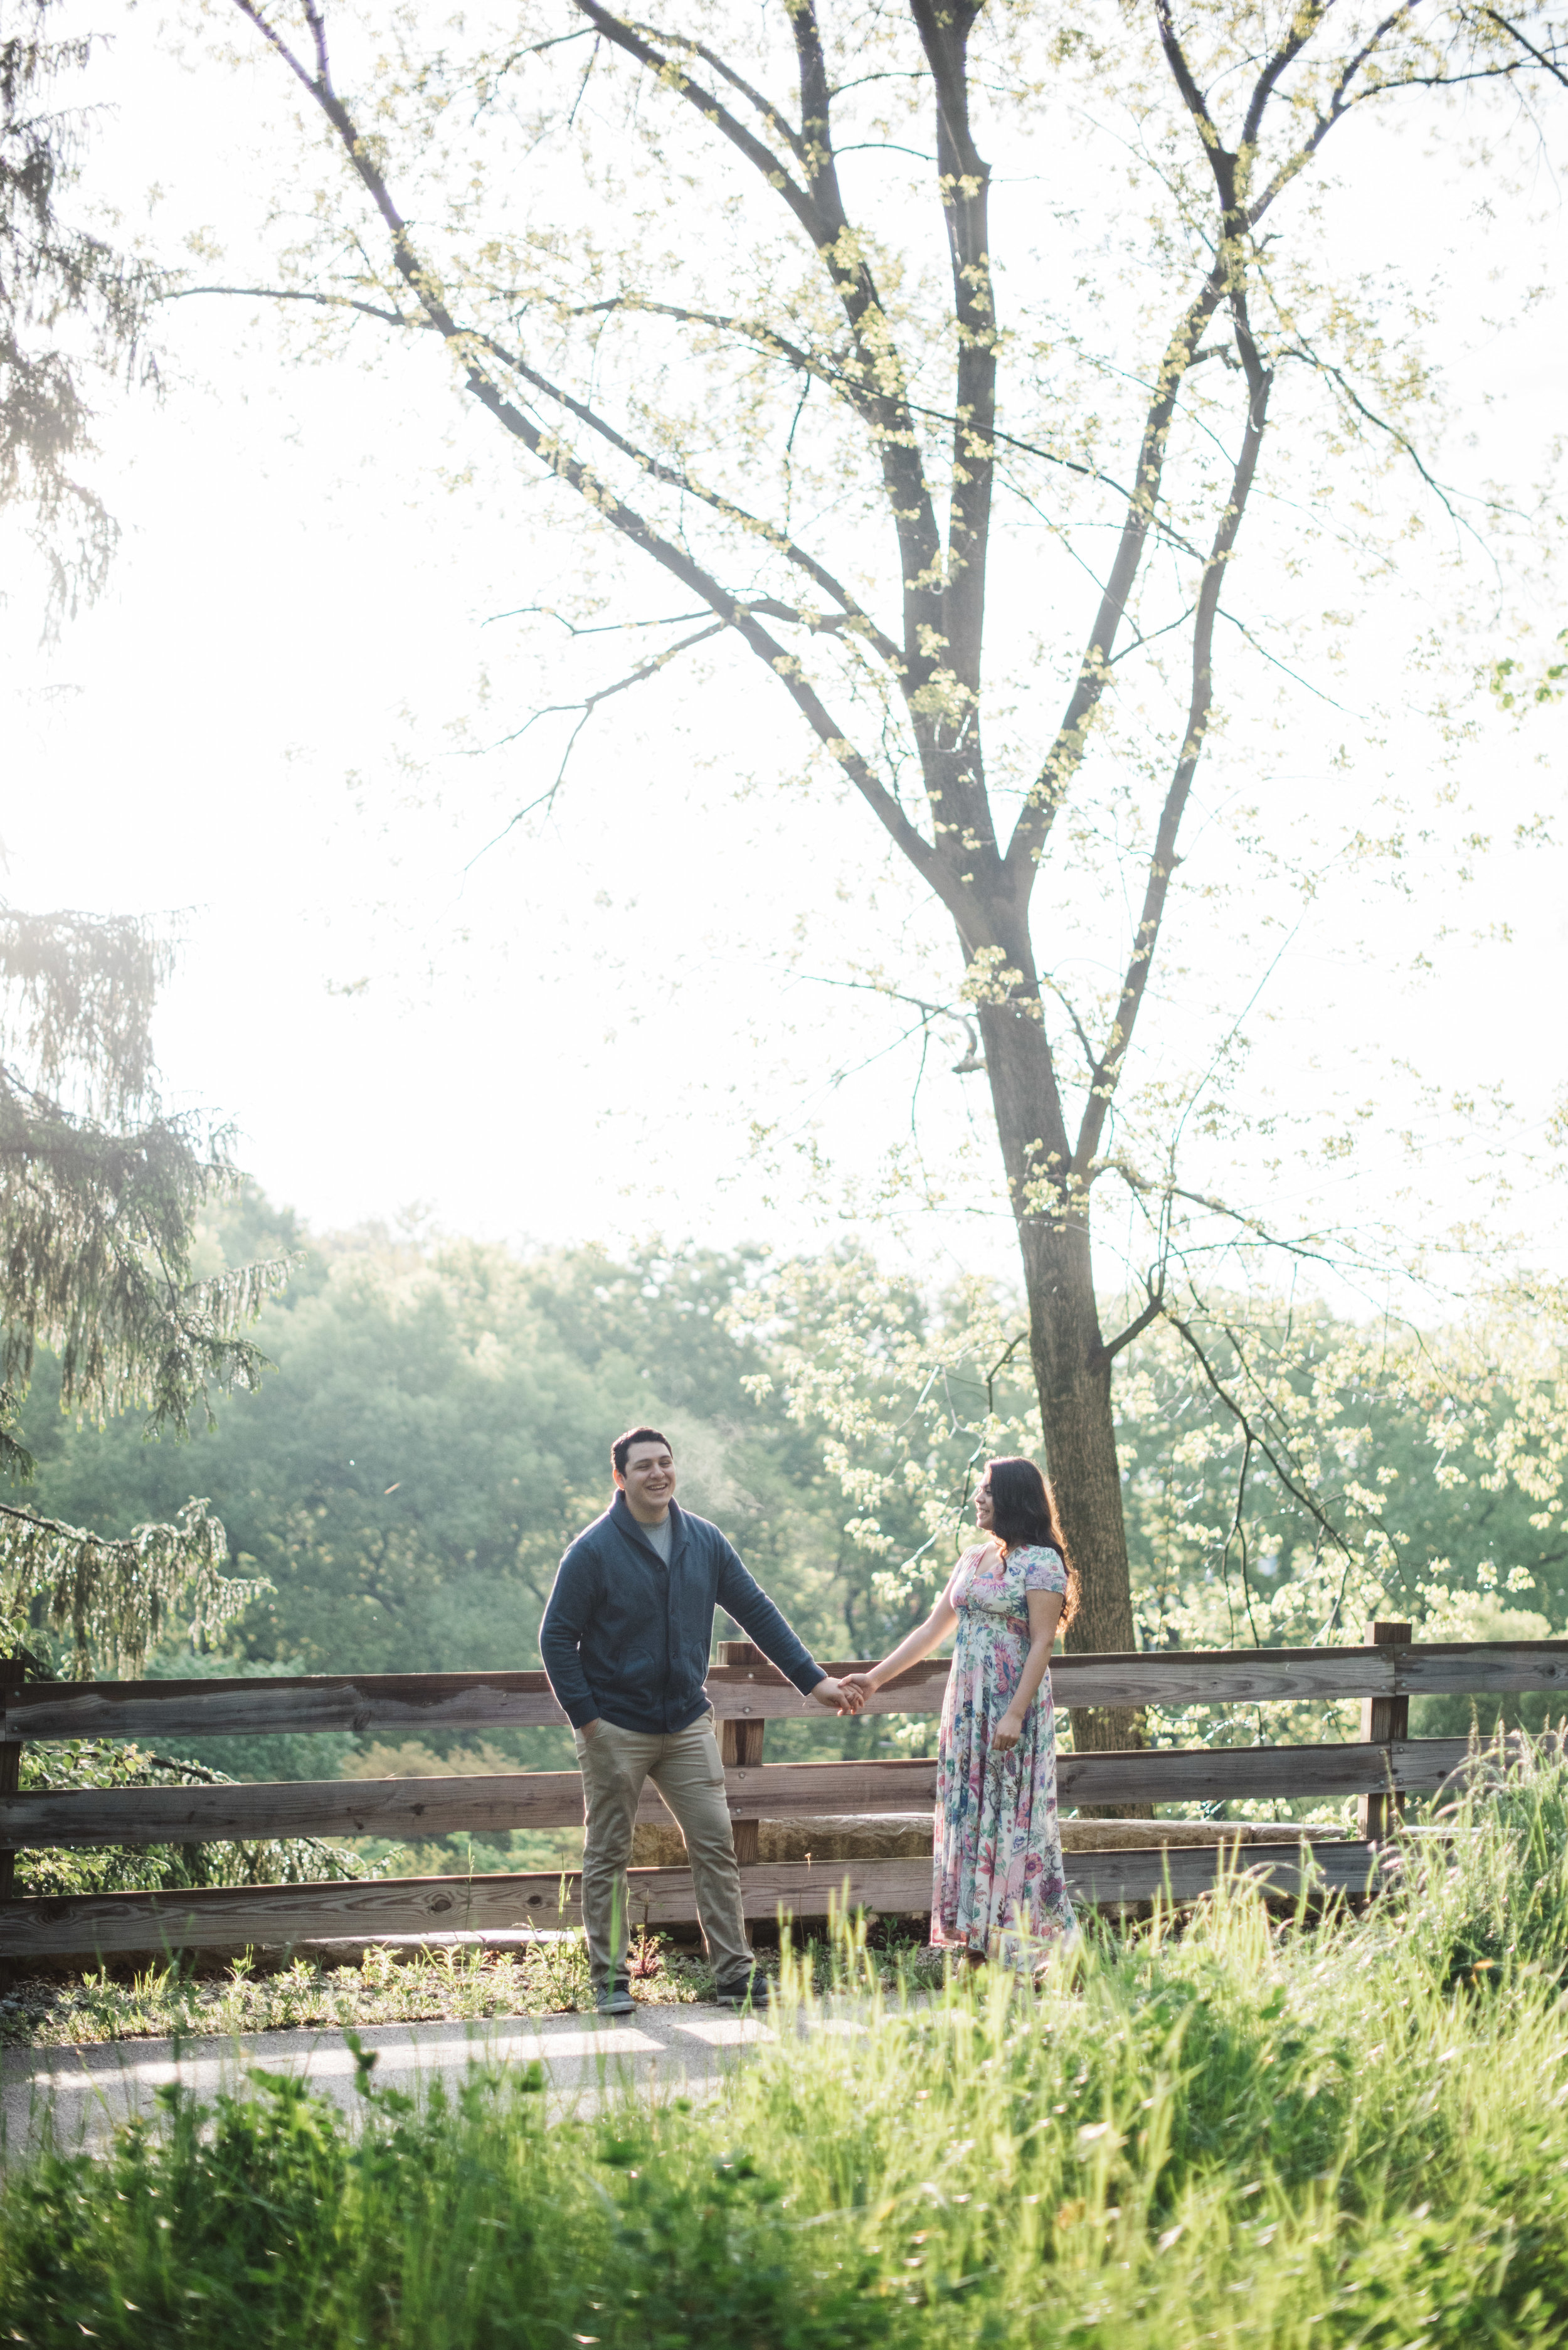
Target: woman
999 1888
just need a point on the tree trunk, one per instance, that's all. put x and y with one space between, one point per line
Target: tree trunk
1074 1391
1066 1347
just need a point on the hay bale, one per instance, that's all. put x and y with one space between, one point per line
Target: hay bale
655 1845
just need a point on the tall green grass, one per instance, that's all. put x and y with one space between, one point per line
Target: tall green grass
1249 2132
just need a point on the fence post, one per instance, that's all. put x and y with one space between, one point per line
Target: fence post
741 1746
13 1672
1384 1719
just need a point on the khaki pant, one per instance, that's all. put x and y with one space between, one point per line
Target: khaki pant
684 1766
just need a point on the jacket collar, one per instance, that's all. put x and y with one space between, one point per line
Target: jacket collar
621 1517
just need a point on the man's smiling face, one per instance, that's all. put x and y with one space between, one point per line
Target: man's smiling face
648 1479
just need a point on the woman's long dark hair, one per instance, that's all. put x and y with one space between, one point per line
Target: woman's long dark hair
1024 1514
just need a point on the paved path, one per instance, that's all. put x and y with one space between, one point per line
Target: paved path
665 2050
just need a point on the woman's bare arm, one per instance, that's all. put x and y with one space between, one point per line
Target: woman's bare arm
1045 1613
910 1650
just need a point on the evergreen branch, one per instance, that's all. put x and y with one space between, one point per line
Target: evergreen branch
114 1595
84 985
99 1227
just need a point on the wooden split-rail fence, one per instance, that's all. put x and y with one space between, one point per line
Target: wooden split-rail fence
1381 1768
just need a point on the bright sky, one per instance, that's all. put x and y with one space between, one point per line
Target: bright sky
272 727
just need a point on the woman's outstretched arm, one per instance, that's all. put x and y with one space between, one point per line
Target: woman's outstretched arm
1044 1609
910 1650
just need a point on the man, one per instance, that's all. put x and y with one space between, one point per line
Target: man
624 1641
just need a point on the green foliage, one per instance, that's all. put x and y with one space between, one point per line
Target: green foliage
439 1431
1256 2133
79 1763
1513 689
114 1597
100 1194
1288 1474
460 1983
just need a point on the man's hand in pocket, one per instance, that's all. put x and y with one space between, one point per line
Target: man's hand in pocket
591 1729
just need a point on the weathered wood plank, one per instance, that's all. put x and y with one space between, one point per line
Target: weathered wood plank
1202 1774
1105 1880
413 1809
414 1704
423 1703
275 1916
761 1694
1480 1668
278 1915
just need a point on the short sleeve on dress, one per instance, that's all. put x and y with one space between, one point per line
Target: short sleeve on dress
1045 1570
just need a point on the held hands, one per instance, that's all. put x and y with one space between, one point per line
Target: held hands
858 1686
843 1697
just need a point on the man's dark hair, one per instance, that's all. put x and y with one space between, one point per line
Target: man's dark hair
622 1446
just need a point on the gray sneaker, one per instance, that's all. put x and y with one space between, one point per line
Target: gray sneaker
615 1999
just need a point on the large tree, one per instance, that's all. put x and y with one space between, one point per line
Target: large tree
797 389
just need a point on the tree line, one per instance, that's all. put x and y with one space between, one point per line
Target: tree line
401 1485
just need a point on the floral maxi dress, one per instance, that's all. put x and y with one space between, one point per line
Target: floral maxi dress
999 1881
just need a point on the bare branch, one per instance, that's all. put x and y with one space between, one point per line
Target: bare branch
1163 860
675 477
819 210
1034 819
300 294
1339 105
637 41
638 676
1255 1435
1406 448
770 114
1105 1355
612 509
1550 65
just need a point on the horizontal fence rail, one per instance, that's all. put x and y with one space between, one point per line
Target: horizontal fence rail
412 1809
1383 1768
236 1917
369 1702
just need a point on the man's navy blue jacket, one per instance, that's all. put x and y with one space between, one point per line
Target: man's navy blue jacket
627 1637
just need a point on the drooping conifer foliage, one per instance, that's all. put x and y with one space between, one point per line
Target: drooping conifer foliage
100 1191
71 307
